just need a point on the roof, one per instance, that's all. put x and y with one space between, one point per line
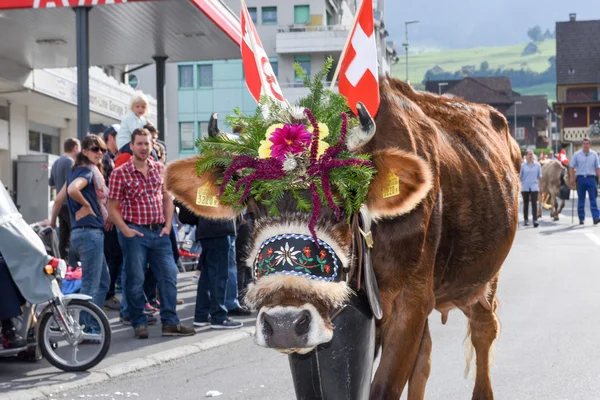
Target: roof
535 106
493 90
434 87
129 32
577 52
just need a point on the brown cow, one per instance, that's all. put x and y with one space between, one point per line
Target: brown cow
439 244
554 175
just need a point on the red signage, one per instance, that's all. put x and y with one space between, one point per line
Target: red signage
4 4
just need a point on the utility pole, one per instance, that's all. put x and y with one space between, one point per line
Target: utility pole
405 44
515 124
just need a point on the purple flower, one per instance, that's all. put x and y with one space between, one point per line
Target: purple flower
289 139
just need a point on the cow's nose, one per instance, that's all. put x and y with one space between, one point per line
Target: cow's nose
287 330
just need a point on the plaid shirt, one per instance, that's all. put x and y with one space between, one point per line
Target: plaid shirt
141 198
108 164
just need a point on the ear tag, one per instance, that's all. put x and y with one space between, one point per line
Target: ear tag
393 187
203 197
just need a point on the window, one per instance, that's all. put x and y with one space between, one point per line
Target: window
50 144
186 77
304 61
253 14
187 138
203 129
34 141
43 143
205 75
520 133
301 14
275 67
269 15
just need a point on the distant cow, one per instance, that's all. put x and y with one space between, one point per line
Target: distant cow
555 184
439 243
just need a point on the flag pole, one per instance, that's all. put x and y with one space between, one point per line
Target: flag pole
339 64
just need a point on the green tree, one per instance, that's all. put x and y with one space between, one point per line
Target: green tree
484 66
535 34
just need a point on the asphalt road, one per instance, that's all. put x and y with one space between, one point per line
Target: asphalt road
548 346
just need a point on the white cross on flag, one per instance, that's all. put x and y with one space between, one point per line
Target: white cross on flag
259 75
359 79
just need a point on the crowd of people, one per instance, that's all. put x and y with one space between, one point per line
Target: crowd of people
583 173
117 221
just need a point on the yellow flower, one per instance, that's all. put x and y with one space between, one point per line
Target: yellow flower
264 151
271 129
323 130
323 146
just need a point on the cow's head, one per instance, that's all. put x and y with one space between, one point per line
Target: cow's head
298 283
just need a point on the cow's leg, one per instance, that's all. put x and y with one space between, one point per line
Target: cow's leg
562 205
483 325
398 356
421 369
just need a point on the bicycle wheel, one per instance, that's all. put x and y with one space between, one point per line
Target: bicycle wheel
86 347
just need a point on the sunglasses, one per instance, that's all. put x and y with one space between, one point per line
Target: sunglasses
96 149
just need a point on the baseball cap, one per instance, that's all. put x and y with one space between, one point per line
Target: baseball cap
111 130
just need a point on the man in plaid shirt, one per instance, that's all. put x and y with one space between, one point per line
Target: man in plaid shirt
142 210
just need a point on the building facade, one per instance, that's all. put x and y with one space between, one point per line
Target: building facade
296 31
578 80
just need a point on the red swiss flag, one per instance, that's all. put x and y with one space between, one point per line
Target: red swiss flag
359 79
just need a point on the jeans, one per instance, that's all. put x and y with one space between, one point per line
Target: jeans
231 295
138 252
214 265
88 246
527 196
587 185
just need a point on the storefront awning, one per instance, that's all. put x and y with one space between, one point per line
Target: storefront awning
41 33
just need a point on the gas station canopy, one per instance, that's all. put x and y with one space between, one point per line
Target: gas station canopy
42 33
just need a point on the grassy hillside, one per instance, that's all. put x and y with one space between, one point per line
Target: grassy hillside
453 60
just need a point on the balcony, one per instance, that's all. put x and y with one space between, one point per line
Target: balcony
295 91
576 134
296 39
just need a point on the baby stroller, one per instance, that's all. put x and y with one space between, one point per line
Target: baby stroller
188 255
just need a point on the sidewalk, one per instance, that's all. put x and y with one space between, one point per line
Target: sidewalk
27 380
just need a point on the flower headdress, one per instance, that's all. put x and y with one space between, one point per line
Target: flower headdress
293 148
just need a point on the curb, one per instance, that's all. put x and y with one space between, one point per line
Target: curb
128 367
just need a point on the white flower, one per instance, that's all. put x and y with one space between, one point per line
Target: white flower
290 163
286 255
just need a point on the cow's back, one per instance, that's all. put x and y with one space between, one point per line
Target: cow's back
477 163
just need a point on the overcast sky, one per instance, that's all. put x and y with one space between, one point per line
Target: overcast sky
470 23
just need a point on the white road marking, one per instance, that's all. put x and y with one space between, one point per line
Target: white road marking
593 237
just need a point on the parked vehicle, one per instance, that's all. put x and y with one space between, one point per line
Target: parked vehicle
71 332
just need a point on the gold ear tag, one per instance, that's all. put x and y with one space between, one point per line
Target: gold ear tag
393 187
203 197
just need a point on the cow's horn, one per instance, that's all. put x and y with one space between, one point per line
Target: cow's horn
361 135
213 125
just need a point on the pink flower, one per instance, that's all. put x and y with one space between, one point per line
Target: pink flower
289 139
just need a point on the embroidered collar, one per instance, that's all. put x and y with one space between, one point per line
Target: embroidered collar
295 254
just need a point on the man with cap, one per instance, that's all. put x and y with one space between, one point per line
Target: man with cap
112 249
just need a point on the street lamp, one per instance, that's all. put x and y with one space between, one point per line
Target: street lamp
515 124
405 44
440 84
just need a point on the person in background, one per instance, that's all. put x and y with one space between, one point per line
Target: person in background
112 249
216 295
135 119
586 167
531 182
85 193
61 169
142 210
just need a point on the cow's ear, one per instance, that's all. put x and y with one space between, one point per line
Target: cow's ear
197 193
403 180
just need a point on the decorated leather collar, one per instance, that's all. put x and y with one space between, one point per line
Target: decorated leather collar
295 254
